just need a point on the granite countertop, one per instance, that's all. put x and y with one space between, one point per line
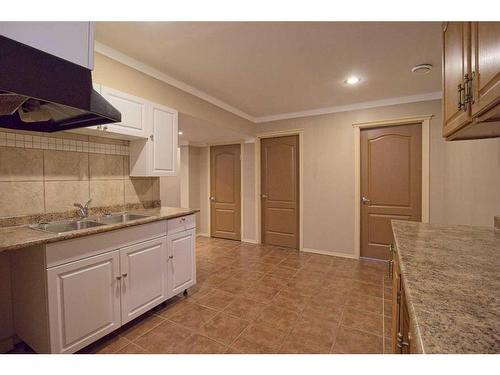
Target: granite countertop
452 283
16 237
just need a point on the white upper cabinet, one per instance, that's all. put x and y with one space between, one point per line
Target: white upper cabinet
133 110
156 156
72 41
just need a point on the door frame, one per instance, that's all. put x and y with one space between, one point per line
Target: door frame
209 186
424 121
258 202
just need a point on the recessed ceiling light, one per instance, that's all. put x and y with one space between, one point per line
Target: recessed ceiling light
352 80
421 68
180 133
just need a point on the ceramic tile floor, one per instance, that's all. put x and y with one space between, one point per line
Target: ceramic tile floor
262 299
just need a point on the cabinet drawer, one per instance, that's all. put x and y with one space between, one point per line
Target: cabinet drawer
67 251
180 224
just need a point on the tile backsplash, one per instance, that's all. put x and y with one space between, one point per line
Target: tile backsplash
46 173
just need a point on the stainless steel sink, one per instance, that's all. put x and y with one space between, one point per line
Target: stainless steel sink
66 226
120 218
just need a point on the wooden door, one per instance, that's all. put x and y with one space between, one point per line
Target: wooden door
143 277
84 301
225 192
485 65
456 63
280 191
391 184
181 261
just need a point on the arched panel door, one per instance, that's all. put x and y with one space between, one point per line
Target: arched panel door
225 192
391 184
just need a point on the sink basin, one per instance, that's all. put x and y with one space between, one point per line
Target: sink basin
120 218
66 226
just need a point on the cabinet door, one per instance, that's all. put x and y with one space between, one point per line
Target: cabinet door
163 139
133 110
396 297
456 63
72 41
84 301
181 261
485 65
143 275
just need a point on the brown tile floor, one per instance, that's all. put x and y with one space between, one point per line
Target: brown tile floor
263 299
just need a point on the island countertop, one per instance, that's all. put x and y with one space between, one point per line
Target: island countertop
452 284
16 237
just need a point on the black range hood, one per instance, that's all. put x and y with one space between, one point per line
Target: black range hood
44 93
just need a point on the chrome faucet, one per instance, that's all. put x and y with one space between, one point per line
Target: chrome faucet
83 211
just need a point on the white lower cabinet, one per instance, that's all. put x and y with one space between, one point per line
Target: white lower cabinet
181 261
84 301
69 294
143 274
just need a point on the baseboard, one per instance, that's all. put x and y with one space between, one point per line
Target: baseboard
330 253
248 240
202 235
6 345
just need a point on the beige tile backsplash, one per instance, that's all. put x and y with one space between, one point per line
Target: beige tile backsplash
40 180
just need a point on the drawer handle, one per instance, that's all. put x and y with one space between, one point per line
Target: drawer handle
171 257
183 219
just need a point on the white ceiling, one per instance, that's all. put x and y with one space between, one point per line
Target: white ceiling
272 68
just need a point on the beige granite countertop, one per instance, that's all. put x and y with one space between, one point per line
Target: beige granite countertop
16 237
452 285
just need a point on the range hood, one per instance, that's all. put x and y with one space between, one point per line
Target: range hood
44 93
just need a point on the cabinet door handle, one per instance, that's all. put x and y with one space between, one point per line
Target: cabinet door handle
124 275
171 257
118 277
152 137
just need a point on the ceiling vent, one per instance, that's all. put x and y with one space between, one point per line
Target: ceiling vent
421 69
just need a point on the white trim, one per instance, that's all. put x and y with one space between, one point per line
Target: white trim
352 107
248 240
280 133
153 72
425 123
329 253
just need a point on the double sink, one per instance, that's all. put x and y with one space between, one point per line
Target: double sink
60 227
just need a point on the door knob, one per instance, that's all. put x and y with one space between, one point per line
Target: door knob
212 199
366 201
263 196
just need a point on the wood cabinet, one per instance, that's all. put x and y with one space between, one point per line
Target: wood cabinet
471 80
401 324
72 41
143 268
181 261
69 294
157 155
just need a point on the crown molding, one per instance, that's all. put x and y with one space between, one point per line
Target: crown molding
114 54
155 73
352 107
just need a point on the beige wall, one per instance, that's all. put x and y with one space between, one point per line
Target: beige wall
170 187
34 180
111 73
464 175
194 182
248 198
